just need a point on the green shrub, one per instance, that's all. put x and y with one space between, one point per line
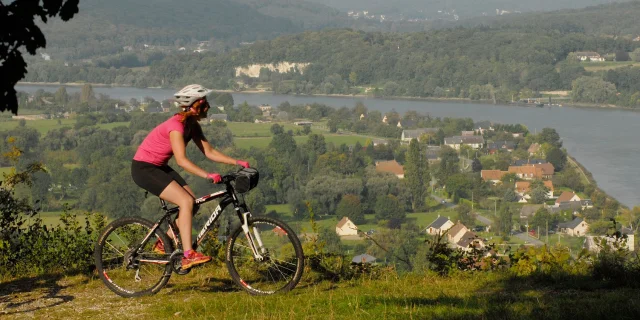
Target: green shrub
28 247
555 262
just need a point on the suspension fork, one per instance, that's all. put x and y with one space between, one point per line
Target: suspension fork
254 239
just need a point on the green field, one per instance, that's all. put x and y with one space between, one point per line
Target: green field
44 126
246 129
112 125
336 139
52 218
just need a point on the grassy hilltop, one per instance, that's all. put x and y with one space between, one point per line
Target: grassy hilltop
208 293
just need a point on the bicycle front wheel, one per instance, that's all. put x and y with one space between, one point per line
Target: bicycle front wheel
129 272
282 261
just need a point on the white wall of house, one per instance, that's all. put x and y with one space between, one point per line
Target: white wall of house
454 238
578 231
456 146
348 229
446 226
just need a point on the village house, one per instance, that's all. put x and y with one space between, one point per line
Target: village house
575 228
468 133
589 56
439 226
482 126
469 240
218 117
529 210
593 243
346 228
526 172
586 203
631 240
571 206
264 107
456 232
524 187
377 142
433 153
406 123
407 135
455 142
391 167
524 162
534 148
494 176
266 110
547 170
567 196
496 146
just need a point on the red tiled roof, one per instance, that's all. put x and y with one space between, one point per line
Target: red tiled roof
565 196
342 222
390 166
547 168
527 171
488 175
456 229
525 186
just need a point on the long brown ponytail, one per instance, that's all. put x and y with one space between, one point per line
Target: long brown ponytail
191 111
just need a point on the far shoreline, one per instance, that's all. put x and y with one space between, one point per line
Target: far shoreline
364 96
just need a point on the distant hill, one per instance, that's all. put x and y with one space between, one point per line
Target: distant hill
105 27
462 8
617 19
309 15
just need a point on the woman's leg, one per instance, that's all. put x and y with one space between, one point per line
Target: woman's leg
186 187
178 195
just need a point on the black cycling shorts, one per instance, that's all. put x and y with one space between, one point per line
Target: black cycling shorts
154 178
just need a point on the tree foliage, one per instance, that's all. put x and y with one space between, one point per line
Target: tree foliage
416 172
351 208
20 32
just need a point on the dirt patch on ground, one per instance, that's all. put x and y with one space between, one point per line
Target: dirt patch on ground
61 297
353 237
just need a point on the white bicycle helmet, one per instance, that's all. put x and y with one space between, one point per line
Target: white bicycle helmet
189 94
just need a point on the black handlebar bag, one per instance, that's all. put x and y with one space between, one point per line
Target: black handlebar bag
246 179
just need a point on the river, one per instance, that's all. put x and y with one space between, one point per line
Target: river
603 141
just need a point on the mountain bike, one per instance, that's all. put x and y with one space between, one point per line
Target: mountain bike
263 255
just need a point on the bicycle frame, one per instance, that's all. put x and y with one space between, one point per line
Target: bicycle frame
228 197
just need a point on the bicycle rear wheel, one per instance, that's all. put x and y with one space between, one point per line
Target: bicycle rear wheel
283 262
126 272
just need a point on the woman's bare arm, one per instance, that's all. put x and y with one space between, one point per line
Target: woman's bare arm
179 152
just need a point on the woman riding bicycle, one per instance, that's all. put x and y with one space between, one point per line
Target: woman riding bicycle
150 171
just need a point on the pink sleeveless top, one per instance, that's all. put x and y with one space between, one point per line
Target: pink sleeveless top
156 147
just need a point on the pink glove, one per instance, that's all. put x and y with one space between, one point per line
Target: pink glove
242 163
216 177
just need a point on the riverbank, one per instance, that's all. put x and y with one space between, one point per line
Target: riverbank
79 84
580 105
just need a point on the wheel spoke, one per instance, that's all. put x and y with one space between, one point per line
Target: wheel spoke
282 266
115 255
